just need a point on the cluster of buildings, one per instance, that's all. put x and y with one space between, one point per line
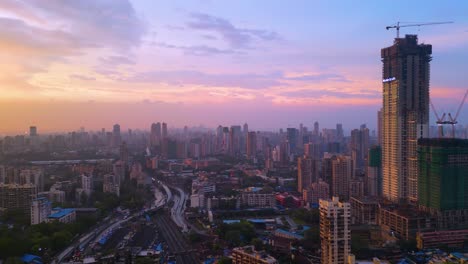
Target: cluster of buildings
205 194
42 211
413 186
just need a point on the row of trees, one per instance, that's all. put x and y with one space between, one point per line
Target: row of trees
43 239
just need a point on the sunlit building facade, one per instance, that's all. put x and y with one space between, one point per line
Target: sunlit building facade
405 114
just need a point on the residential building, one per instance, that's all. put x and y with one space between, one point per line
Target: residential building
316 191
443 174
364 210
405 114
110 184
251 144
87 183
342 174
374 172
307 172
335 232
258 199
17 197
248 255
41 208
359 146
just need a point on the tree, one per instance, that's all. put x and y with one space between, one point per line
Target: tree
233 237
194 237
225 260
144 261
13 261
257 243
312 235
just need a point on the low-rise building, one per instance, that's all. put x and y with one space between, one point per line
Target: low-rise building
63 215
404 221
364 210
197 201
258 199
248 255
436 239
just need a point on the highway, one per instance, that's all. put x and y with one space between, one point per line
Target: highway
104 227
178 208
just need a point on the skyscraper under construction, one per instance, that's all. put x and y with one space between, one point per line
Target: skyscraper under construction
405 114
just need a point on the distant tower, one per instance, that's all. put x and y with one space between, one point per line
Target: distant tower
246 129
124 153
342 174
316 128
116 137
251 144
307 172
335 232
339 132
359 146
235 140
292 134
32 131
405 114
164 130
155 134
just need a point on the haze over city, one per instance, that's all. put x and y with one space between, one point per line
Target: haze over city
268 63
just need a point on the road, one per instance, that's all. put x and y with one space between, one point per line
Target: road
178 208
107 225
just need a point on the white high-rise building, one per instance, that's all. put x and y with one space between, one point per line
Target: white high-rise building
87 183
41 208
335 232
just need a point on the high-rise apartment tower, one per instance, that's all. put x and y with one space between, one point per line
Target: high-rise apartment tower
405 114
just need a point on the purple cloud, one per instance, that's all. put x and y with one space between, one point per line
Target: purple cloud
116 60
236 37
247 81
320 77
110 23
340 94
198 50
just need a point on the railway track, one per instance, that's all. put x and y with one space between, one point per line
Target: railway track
175 240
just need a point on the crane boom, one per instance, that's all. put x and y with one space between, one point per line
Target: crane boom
461 105
398 25
435 112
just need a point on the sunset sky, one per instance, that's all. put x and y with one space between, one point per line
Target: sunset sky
272 64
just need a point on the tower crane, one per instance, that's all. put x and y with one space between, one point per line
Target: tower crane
451 120
404 24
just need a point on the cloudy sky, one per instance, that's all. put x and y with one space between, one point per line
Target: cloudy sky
93 63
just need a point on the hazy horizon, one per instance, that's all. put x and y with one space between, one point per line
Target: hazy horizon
97 63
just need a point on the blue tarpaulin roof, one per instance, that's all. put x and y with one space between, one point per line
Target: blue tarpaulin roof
28 258
62 213
209 261
158 247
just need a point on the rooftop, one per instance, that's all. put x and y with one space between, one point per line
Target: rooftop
62 213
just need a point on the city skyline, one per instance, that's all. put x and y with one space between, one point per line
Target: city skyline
98 63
